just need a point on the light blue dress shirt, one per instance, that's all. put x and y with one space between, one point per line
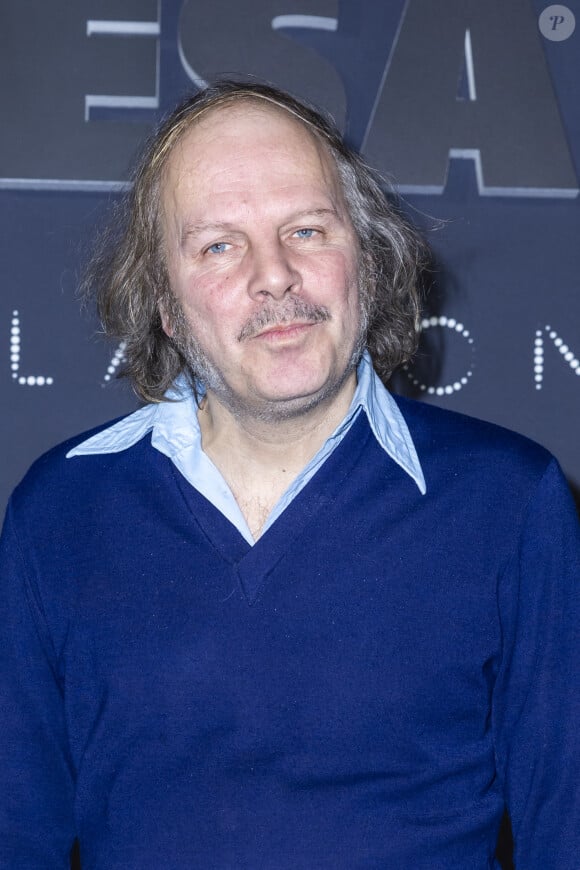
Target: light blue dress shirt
175 432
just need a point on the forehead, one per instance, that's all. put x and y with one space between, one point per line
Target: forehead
249 146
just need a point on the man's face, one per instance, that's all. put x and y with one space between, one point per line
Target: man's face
263 262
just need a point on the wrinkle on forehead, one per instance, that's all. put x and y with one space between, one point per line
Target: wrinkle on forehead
246 108
225 125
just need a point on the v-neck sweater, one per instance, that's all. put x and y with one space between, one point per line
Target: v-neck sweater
367 686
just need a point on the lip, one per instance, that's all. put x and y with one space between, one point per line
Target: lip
285 330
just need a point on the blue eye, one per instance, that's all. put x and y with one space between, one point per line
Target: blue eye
305 233
217 248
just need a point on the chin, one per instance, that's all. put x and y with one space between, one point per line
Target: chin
296 377
277 410
299 397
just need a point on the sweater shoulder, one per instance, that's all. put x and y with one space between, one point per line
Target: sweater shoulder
53 477
464 442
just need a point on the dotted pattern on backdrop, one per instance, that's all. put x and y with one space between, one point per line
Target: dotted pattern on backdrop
118 358
563 348
447 389
24 380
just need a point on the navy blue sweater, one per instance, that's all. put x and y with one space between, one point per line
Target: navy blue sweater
366 687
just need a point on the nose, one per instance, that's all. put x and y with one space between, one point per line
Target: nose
273 272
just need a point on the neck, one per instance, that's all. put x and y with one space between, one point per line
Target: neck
259 458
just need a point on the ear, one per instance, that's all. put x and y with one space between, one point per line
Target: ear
165 320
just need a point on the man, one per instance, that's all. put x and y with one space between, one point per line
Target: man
277 618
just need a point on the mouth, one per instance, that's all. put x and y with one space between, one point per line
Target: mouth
283 321
285 330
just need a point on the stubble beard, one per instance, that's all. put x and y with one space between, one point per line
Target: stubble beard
204 372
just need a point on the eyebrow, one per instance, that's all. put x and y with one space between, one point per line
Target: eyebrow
313 212
197 229
191 230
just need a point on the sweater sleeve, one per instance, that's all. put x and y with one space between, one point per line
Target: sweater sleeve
536 710
36 787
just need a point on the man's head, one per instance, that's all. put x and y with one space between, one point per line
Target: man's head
262 261
248 212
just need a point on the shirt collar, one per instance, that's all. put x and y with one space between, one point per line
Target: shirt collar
386 421
174 424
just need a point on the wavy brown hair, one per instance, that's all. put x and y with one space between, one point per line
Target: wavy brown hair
128 277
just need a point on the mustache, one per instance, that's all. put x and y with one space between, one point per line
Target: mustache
283 313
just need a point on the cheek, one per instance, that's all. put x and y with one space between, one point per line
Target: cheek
201 297
213 315
337 280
